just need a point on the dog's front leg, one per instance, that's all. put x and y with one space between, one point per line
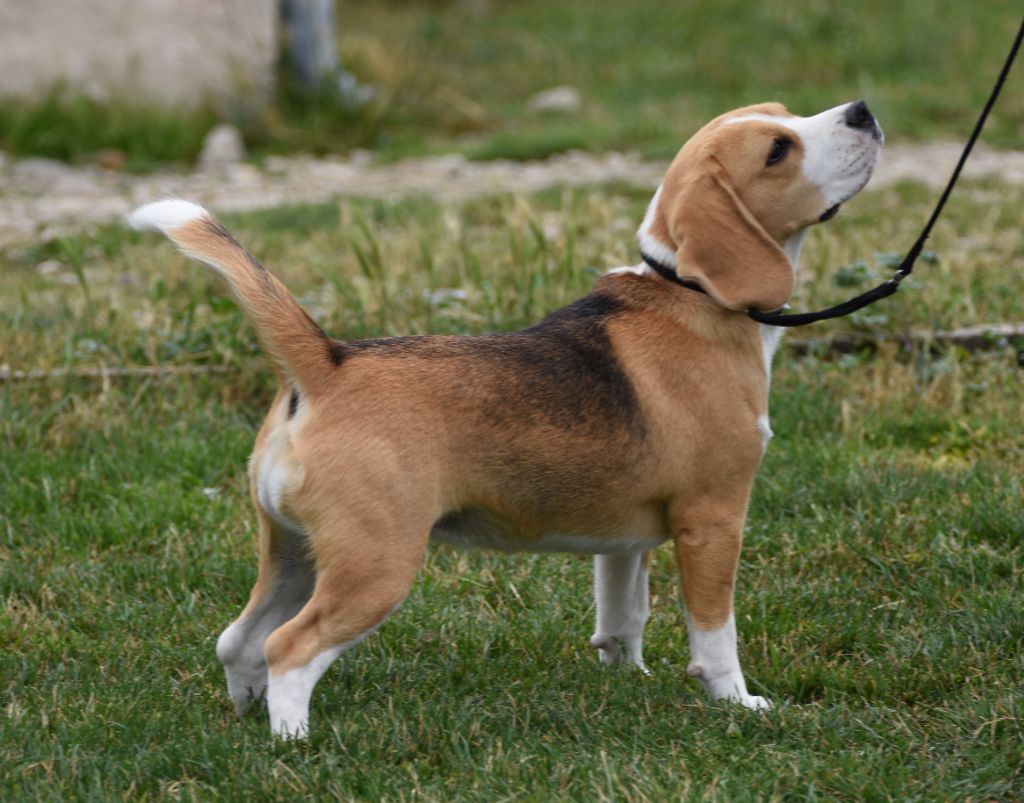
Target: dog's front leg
708 539
623 605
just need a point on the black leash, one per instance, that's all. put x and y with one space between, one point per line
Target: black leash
907 265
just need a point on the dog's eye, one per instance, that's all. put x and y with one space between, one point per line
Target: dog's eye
779 150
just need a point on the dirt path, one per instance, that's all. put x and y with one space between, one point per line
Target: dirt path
40 197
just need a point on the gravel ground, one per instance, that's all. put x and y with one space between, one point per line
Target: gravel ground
40 197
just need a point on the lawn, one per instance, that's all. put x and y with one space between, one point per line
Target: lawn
879 599
458 76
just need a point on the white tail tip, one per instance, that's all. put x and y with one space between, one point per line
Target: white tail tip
165 216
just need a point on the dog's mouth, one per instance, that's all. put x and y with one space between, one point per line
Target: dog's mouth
829 213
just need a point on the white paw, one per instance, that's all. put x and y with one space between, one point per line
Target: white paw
608 649
282 729
244 666
244 696
288 707
246 686
740 696
728 686
753 702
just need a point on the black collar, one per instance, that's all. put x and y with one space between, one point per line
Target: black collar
670 275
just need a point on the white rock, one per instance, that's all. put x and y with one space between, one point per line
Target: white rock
558 99
50 267
222 148
278 165
360 157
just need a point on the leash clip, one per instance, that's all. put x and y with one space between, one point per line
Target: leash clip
901 273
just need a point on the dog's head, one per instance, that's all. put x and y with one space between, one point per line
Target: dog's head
746 183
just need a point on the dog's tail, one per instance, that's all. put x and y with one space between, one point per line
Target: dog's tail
297 345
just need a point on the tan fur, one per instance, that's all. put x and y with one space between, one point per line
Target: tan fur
386 445
390 445
630 418
292 339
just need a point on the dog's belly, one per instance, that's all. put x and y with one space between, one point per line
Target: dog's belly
481 529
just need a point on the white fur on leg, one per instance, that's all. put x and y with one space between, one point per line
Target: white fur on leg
714 661
623 605
288 695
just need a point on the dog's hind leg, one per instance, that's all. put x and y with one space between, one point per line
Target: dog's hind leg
361 580
283 585
623 605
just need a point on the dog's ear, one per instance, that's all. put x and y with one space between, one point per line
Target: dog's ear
721 245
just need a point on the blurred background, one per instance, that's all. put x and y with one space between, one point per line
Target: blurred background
137 84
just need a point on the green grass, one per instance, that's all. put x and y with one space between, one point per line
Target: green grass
650 72
879 598
74 128
451 76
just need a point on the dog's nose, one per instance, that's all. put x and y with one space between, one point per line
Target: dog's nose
858 115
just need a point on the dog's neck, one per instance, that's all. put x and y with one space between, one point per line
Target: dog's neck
656 250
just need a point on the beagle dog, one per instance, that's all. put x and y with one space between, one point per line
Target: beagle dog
634 416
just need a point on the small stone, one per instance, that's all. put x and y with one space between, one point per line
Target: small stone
277 165
452 163
244 175
50 267
360 157
222 148
558 99
444 295
354 94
